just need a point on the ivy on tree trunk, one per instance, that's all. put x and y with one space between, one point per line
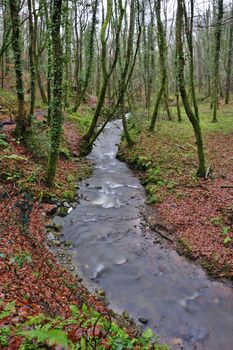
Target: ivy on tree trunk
56 108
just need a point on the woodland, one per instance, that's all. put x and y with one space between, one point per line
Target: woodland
67 69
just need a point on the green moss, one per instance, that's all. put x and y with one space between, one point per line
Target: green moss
82 119
185 246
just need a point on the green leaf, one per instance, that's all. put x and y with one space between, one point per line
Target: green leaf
84 309
148 334
74 310
227 240
14 157
7 310
54 336
225 230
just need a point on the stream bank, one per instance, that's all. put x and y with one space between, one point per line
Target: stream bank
196 213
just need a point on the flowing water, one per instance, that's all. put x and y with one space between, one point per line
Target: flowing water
115 252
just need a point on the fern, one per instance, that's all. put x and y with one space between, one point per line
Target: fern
7 310
53 336
14 157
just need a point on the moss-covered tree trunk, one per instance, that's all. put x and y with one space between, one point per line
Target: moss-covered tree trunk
21 121
229 59
106 72
57 114
180 66
91 41
217 42
32 51
162 61
189 37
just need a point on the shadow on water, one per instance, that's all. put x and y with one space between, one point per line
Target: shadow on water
113 251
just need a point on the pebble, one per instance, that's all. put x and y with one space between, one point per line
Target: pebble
143 320
125 314
177 341
101 292
66 205
50 236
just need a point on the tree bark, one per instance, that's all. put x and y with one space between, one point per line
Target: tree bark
21 121
217 37
162 62
57 114
229 60
180 65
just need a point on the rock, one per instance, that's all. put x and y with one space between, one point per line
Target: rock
68 243
87 184
101 292
56 242
51 209
50 236
177 341
143 320
56 202
58 220
121 261
66 205
57 227
125 314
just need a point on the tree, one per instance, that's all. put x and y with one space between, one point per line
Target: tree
180 66
21 121
189 37
91 37
56 111
217 38
32 50
229 59
106 71
162 62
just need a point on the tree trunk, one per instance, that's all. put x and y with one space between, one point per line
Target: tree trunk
106 72
189 36
192 117
162 61
229 60
83 89
217 37
57 114
32 50
21 122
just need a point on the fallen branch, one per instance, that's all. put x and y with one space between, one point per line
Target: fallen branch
227 186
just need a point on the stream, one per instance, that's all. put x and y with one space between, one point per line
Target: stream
115 251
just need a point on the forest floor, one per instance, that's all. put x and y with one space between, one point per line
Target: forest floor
198 213
41 302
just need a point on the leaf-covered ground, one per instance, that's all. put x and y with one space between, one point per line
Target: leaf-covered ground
198 212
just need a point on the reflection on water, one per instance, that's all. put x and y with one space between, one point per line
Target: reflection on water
110 245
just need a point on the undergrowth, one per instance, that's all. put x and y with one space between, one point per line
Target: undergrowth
84 329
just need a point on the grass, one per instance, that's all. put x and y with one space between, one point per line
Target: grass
171 148
82 118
